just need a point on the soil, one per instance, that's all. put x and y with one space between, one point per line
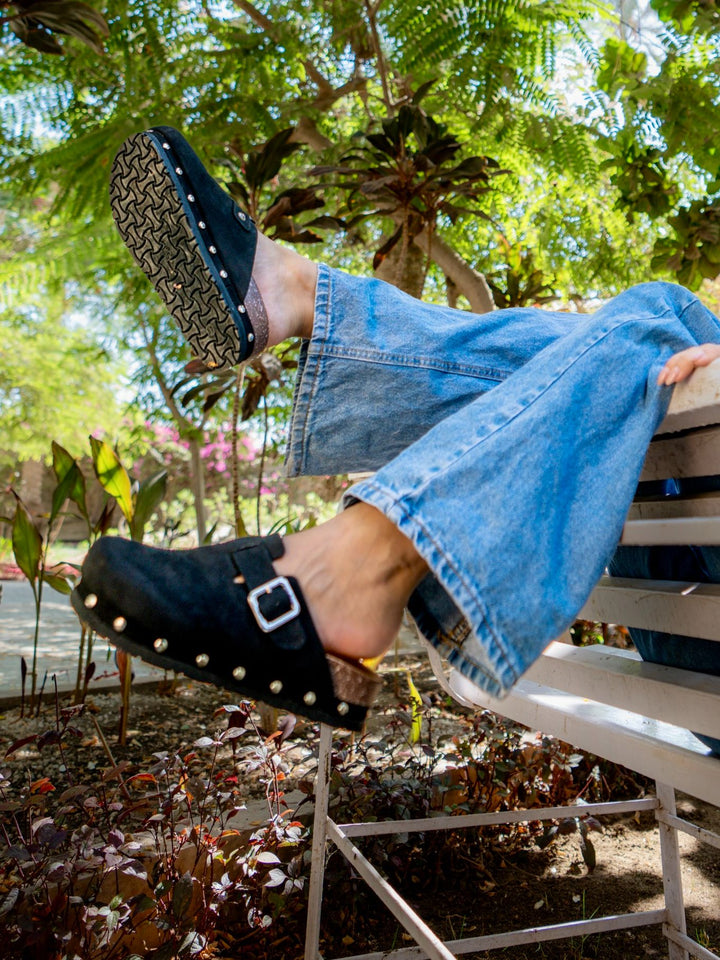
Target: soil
516 884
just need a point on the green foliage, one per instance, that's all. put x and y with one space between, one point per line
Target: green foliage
408 171
690 15
609 148
693 252
56 380
196 883
38 24
520 284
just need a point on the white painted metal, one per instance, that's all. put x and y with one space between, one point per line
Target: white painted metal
692 946
672 871
695 402
377 828
620 678
651 747
692 829
695 454
514 938
688 609
417 928
678 531
317 863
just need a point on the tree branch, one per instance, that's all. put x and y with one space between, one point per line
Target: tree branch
268 26
379 56
470 282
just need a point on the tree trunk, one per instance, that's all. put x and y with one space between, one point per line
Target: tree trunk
198 488
405 268
470 282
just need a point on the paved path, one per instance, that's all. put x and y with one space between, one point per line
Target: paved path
58 642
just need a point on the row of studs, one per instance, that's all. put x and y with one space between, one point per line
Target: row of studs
203 659
211 247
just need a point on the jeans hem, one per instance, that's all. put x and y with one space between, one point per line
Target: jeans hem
499 674
308 378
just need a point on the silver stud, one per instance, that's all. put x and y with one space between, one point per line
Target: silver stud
160 644
212 249
251 337
178 170
201 224
191 198
90 600
202 659
241 308
343 708
276 686
223 274
241 214
310 697
119 624
239 673
166 146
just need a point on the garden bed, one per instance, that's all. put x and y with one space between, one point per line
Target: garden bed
465 882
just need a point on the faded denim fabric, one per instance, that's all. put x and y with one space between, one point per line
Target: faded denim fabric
507 446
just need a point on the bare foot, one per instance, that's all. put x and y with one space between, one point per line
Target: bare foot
357 572
681 365
286 281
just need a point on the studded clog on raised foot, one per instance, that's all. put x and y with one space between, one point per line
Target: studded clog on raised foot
195 244
222 614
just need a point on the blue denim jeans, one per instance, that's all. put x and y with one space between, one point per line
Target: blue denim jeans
506 446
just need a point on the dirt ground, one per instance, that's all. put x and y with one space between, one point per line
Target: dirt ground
467 893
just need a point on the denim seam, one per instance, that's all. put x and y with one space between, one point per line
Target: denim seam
423 363
529 403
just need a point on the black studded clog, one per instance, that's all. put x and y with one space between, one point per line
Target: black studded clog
222 614
195 244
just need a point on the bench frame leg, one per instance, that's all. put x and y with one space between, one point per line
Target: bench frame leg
672 870
319 844
672 917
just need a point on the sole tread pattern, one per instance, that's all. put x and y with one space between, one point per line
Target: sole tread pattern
153 225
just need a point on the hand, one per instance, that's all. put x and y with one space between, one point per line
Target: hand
681 365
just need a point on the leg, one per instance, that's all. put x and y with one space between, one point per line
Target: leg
568 393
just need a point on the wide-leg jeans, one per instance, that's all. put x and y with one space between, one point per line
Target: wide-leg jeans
506 446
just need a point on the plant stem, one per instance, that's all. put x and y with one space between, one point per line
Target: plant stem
240 528
262 464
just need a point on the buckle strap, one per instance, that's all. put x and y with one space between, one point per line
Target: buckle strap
267 624
275 602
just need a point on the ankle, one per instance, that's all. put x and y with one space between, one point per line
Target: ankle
357 573
286 281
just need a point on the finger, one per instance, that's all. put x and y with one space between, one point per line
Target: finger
682 364
676 369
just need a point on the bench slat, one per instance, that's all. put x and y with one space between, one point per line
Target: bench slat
695 454
701 505
656 749
701 531
620 678
695 402
687 609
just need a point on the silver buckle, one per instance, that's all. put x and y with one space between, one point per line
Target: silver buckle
267 626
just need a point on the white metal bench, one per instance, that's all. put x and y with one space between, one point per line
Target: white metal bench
603 700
